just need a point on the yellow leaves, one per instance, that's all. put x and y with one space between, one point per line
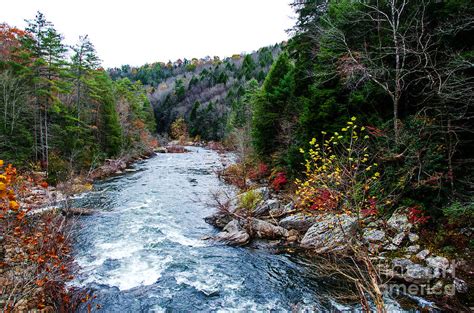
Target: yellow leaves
366 137
3 187
1 163
301 150
337 166
14 205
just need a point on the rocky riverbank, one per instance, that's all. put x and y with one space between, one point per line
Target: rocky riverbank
36 261
392 244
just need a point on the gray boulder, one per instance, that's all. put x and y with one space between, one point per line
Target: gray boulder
413 237
233 234
300 222
423 254
266 207
391 247
266 230
400 264
282 210
417 273
460 285
398 239
331 233
373 235
399 221
411 272
439 264
218 219
413 249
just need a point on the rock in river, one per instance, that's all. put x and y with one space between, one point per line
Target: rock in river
218 219
233 234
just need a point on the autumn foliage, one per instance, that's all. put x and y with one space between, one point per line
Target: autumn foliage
340 174
35 259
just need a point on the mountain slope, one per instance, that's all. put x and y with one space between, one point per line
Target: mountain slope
201 91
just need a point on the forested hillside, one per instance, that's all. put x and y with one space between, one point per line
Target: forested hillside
61 112
202 91
404 69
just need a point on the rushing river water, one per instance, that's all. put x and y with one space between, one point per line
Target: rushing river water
143 252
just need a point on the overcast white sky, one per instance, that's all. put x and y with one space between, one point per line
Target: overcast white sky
141 31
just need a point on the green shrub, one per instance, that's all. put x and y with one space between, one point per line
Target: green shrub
459 212
250 199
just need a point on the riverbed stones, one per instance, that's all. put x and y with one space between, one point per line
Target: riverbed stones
373 235
265 230
300 222
233 234
331 233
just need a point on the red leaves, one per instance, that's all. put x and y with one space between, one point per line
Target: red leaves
375 131
416 216
279 181
260 172
325 199
371 208
44 184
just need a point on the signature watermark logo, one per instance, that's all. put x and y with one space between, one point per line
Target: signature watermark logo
406 277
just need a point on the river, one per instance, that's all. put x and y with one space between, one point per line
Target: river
143 252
